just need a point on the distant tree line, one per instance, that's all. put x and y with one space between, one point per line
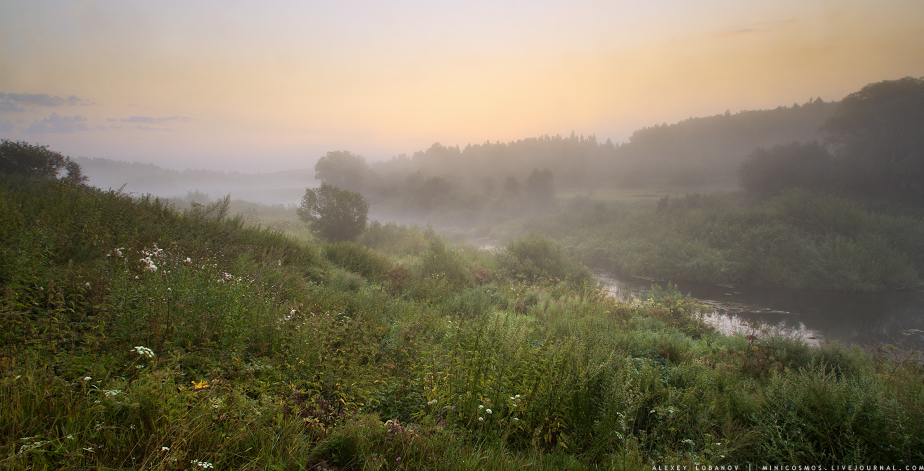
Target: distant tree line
481 181
873 147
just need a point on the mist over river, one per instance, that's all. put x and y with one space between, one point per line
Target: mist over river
816 316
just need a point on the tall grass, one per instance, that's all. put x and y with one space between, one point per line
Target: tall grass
133 335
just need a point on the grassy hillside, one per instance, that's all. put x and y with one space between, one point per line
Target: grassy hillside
133 336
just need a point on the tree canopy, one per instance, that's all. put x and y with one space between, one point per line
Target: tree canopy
333 213
767 172
32 160
878 134
342 169
874 148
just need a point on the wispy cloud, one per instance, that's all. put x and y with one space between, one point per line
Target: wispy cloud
18 101
153 120
59 124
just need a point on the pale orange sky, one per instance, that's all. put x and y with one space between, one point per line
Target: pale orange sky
270 85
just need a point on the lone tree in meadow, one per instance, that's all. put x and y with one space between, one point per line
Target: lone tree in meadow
334 214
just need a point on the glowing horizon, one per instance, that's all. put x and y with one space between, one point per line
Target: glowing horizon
275 85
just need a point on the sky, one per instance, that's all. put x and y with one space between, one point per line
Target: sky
274 85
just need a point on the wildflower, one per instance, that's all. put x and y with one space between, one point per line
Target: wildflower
487 411
481 419
201 464
87 285
112 392
87 378
430 403
165 448
398 459
480 406
149 264
144 351
153 251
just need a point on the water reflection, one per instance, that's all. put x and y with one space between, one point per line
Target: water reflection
866 319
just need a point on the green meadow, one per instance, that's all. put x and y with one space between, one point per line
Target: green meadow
137 336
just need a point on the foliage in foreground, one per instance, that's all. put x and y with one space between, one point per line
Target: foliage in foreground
134 336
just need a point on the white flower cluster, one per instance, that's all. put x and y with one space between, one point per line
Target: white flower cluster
150 253
154 251
515 402
144 351
201 464
116 251
486 411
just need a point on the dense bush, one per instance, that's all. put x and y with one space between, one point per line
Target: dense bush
534 257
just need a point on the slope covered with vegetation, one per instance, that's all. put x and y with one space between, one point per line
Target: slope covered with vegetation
844 214
798 239
136 336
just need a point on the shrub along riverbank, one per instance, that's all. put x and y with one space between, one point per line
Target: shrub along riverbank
796 240
135 336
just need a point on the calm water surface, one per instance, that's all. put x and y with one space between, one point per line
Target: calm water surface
866 319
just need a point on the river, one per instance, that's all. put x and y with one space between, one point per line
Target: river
815 316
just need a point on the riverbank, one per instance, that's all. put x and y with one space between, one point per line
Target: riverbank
796 240
868 320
